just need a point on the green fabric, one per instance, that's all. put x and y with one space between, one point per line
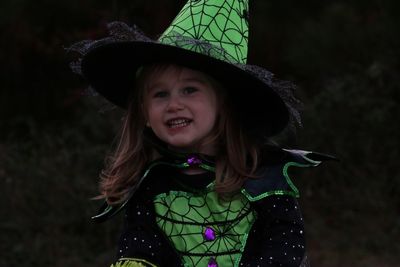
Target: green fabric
293 191
183 217
269 193
221 23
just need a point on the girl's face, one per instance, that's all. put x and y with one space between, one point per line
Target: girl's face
181 108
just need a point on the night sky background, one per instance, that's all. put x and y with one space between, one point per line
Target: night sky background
343 55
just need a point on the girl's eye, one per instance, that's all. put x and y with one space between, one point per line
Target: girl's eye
160 94
190 90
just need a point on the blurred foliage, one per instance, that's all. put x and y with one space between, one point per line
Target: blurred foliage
344 55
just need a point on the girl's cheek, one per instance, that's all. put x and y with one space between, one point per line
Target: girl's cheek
156 107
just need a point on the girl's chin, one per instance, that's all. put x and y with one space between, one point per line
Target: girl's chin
182 148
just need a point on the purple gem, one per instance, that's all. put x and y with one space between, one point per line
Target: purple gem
193 160
209 234
212 263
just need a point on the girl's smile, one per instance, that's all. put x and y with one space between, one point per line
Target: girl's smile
181 108
178 122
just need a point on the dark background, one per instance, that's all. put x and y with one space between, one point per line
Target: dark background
344 55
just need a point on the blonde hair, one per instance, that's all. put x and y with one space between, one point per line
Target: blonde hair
236 158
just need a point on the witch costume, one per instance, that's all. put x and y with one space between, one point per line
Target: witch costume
175 219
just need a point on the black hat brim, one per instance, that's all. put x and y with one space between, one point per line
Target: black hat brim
111 69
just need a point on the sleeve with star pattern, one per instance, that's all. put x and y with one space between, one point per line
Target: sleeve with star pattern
141 239
277 237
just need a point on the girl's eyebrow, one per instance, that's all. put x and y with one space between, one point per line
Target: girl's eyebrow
153 85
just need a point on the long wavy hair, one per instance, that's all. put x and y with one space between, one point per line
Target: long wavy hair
237 153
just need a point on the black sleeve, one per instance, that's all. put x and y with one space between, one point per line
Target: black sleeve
277 236
141 238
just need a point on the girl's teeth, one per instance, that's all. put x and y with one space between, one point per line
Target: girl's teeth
178 123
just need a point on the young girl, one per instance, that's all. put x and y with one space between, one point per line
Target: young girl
195 171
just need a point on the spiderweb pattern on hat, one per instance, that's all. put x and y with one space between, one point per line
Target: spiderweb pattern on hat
223 24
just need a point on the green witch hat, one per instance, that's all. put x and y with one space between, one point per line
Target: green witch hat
207 35
221 24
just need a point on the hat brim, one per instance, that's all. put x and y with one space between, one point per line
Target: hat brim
111 68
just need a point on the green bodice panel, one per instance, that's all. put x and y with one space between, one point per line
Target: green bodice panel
202 228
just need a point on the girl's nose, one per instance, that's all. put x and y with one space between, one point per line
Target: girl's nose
175 103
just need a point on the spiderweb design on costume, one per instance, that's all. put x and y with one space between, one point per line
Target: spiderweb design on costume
223 23
186 219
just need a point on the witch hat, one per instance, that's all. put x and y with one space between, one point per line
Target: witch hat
207 35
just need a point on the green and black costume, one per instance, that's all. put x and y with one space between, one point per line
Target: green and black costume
175 219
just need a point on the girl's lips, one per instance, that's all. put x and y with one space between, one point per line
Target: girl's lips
178 122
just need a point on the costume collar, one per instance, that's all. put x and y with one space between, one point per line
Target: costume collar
168 158
178 159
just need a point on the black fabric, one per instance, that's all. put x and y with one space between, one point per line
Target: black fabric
277 236
277 230
141 237
270 179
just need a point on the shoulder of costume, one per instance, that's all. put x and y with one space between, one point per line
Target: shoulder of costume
108 211
273 178
178 161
